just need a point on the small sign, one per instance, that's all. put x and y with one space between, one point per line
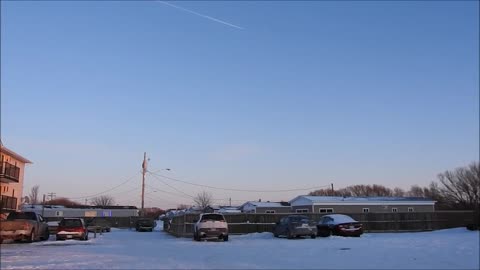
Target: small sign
90 213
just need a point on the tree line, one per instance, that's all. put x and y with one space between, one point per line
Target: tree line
33 198
455 189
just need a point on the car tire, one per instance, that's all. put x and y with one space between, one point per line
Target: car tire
290 235
196 237
225 238
32 236
324 233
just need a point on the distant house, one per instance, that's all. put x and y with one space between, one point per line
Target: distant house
229 210
331 204
12 167
60 211
211 209
266 207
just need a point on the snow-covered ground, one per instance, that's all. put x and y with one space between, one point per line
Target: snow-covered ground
127 249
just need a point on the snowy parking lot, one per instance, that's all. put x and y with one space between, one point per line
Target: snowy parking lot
127 249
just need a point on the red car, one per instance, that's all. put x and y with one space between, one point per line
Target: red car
337 224
72 228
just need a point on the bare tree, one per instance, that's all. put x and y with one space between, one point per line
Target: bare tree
461 188
103 200
33 197
398 192
369 190
415 191
203 199
62 201
326 192
26 200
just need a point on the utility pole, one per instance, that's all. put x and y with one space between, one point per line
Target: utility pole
332 189
144 171
43 205
230 201
52 195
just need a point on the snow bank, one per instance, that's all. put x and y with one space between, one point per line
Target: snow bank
127 249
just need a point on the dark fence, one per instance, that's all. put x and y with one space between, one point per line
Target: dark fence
181 226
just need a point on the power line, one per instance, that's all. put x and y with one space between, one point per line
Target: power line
170 185
233 189
96 194
167 192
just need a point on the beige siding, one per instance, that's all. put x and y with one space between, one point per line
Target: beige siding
14 189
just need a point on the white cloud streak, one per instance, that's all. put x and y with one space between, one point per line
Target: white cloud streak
201 15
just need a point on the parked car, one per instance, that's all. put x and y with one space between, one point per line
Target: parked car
98 225
295 226
210 226
72 228
338 224
145 225
24 226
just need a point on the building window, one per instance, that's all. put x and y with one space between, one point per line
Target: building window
269 211
301 211
410 209
394 210
366 210
326 210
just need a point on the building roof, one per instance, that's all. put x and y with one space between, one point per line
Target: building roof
315 199
324 199
266 204
13 154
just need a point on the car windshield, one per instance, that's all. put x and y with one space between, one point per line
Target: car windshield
70 223
21 215
145 221
213 217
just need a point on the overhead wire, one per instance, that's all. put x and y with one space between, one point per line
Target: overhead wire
233 189
170 185
103 192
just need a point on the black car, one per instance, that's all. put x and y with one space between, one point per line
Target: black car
295 226
98 225
336 224
145 225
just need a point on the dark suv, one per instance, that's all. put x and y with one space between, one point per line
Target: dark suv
145 224
295 226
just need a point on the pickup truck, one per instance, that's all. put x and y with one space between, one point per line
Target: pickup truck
24 226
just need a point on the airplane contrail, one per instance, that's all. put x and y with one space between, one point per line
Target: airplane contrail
201 15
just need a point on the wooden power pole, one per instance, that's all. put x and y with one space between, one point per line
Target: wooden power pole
144 171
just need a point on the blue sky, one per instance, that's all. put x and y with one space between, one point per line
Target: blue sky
305 94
